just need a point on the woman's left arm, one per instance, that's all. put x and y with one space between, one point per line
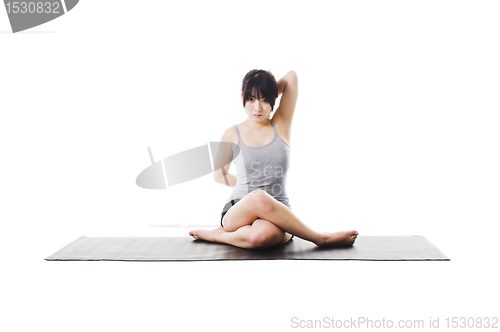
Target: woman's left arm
288 86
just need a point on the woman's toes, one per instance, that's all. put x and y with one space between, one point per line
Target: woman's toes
354 236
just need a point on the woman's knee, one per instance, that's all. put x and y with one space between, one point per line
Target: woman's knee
265 238
262 200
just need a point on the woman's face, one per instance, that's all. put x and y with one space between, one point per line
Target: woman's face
258 108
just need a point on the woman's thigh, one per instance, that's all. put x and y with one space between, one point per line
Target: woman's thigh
241 214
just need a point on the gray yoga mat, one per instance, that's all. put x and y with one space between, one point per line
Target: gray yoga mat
376 248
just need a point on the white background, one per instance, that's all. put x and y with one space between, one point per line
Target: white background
396 132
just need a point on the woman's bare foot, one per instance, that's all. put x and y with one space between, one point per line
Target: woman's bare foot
339 239
212 235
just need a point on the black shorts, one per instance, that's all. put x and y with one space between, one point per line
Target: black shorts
227 207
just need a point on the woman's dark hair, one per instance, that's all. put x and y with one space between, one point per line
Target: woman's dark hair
261 81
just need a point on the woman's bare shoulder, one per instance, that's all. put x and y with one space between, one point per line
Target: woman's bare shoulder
229 135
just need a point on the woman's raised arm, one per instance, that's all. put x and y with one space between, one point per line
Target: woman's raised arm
288 86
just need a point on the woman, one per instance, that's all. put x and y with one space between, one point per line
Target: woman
258 214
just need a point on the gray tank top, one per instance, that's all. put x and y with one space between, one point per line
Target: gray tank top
262 167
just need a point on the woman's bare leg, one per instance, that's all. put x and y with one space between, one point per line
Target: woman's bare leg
260 205
261 234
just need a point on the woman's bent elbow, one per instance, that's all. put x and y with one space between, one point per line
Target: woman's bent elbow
219 179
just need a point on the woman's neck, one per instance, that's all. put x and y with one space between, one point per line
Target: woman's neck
257 125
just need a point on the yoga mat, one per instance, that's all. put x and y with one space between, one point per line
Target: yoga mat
373 248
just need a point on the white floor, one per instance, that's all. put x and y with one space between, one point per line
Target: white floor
234 295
